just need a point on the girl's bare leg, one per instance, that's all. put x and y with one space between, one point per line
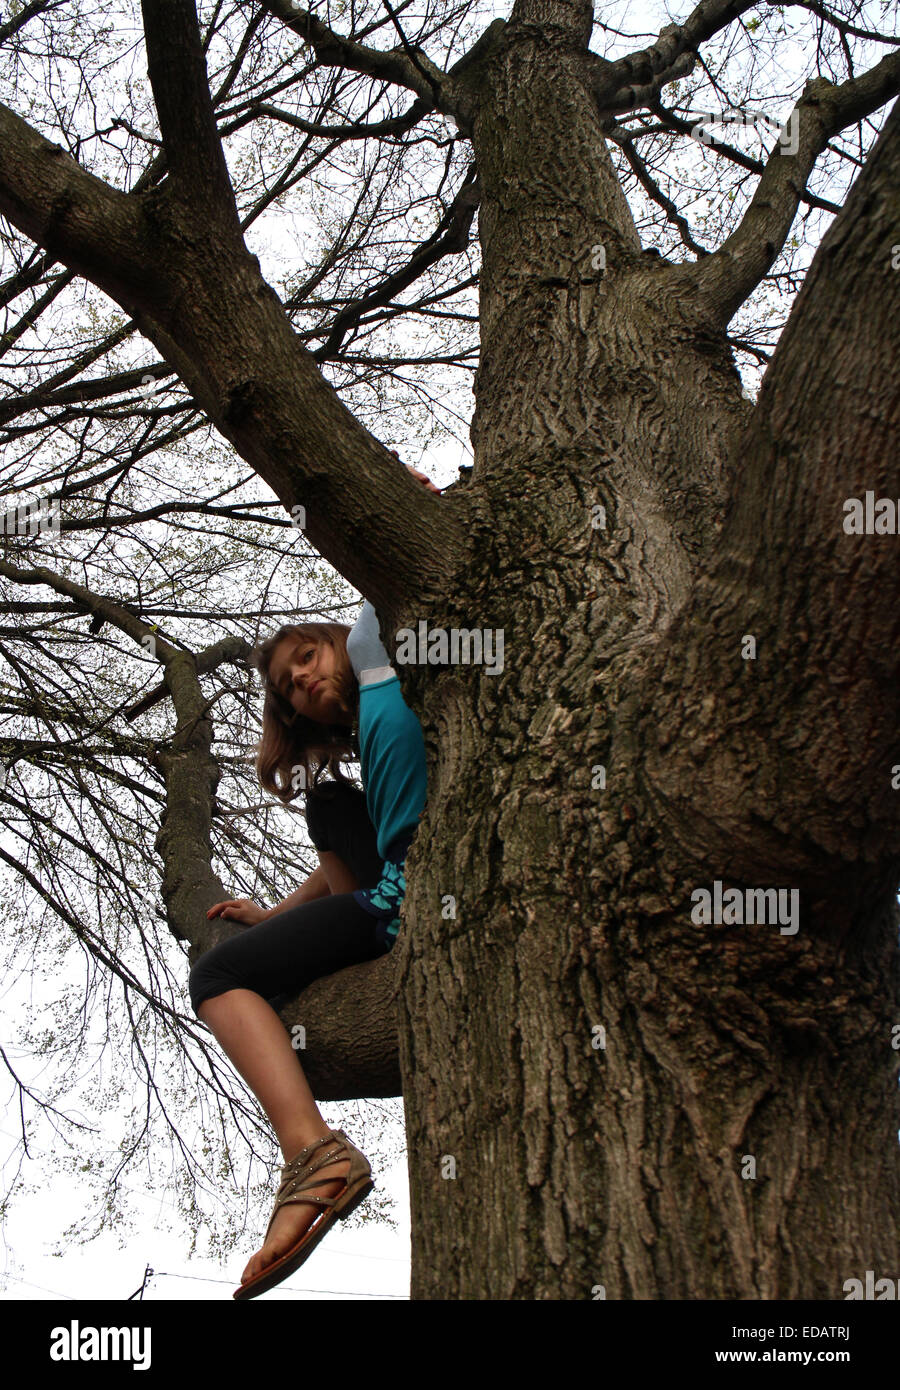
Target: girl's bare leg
252 1035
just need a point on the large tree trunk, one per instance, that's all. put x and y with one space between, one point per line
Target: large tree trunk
736 1137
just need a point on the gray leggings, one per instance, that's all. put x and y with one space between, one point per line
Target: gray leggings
279 957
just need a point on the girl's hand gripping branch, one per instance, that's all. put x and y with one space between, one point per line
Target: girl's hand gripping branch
240 910
420 476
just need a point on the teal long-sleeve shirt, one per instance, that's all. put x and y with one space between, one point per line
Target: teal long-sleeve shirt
391 746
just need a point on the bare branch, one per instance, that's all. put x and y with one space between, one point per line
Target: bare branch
228 649
669 121
839 21
27 12
391 125
656 193
90 940
90 602
449 238
735 268
420 76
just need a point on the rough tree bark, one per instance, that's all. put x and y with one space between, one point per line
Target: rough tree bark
542 1165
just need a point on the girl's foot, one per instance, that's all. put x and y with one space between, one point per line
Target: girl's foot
295 1218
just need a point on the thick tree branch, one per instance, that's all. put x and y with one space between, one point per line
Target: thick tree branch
735 268
203 302
639 77
227 649
822 605
217 322
178 76
351 1053
92 228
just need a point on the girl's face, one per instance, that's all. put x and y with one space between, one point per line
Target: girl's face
303 671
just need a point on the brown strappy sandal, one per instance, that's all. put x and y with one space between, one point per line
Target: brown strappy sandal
358 1184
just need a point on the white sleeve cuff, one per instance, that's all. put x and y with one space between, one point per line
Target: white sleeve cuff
376 673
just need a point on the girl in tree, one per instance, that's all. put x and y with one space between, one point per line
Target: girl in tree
330 693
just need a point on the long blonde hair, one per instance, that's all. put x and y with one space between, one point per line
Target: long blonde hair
294 751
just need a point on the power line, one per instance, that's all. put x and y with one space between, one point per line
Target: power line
286 1288
17 1280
